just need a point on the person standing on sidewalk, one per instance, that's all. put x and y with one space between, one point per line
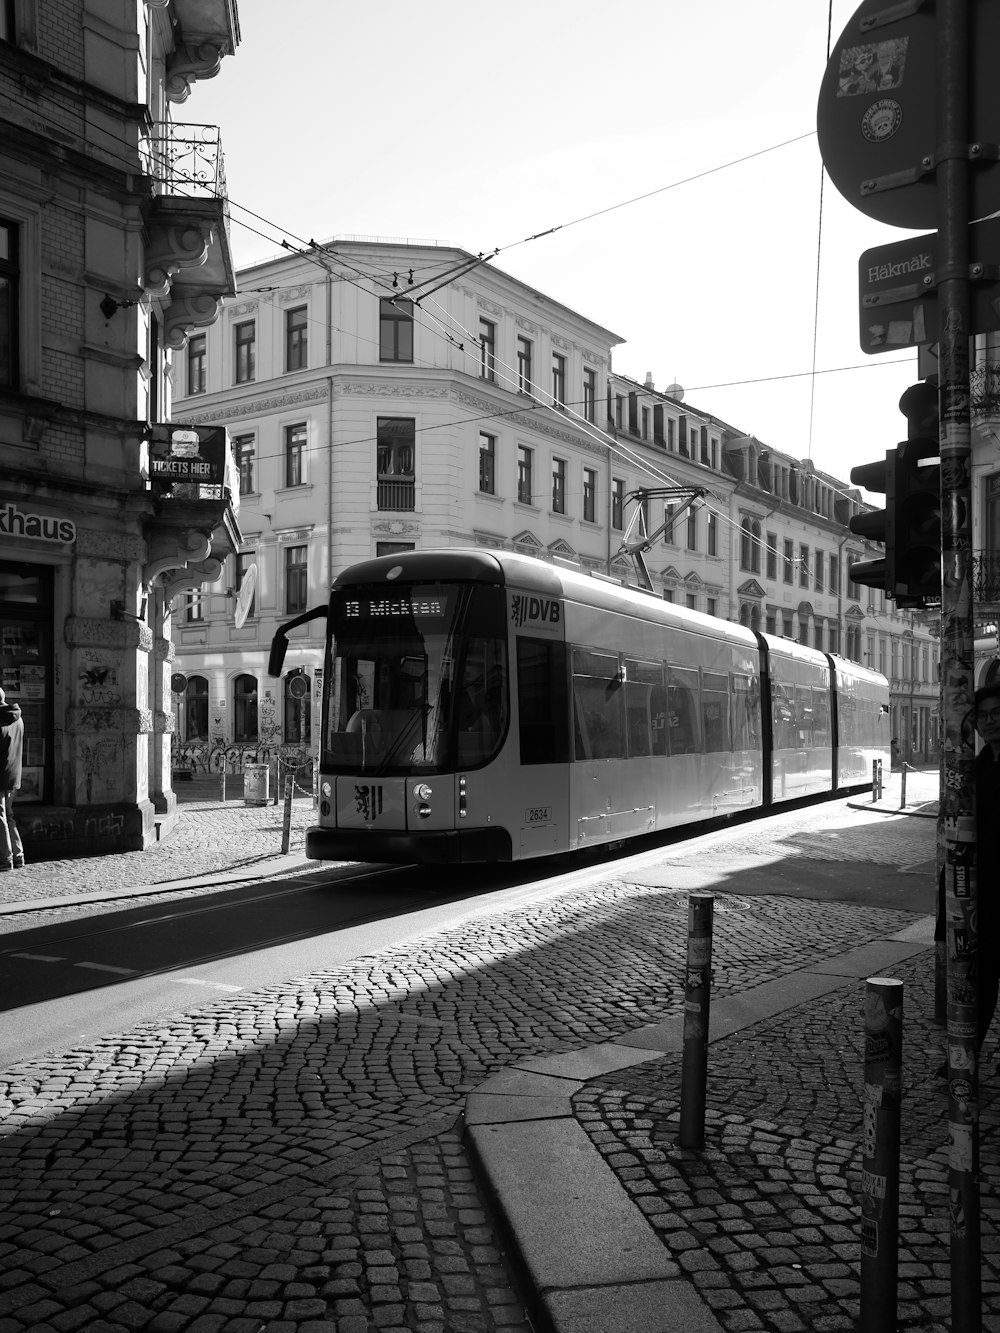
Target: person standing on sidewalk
11 746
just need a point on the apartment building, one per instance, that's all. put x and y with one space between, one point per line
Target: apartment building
113 247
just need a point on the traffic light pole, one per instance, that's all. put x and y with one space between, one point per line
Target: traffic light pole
958 804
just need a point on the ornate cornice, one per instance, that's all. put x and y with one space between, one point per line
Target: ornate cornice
252 407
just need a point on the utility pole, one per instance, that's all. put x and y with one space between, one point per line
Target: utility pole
958 804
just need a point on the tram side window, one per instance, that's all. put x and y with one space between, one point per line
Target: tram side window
715 710
746 713
803 715
644 708
783 709
598 705
543 708
683 730
821 717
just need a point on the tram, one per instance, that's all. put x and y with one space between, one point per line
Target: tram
485 706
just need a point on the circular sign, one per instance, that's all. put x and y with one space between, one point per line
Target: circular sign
298 687
877 116
178 682
244 598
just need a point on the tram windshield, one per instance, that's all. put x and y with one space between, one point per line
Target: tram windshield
417 679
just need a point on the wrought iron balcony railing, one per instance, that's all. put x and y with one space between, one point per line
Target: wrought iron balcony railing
986 575
984 390
396 493
186 160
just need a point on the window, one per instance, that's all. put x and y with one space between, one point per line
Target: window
297 708
691 601
8 21
542 704
196 709
644 428
713 534
194 608
244 560
9 305
296 578
590 395
618 504
692 529
671 435
295 454
558 380
396 463
803 565
558 486
196 351
750 545
619 412
245 351
771 555
668 525
245 708
487 351
818 634
524 474
788 563
244 450
394 548
834 638
818 570
834 587
786 624
296 339
711 606
395 329
487 463
524 365
598 705
589 495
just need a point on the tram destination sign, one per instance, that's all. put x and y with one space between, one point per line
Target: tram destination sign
432 605
897 289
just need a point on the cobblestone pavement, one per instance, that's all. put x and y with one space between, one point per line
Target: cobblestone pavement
764 1220
289 1158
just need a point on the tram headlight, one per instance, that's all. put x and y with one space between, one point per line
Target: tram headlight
327 789
422 792
424 811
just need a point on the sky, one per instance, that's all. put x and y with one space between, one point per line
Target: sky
481 126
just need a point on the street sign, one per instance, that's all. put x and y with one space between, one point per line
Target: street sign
877 115
897 288
178 682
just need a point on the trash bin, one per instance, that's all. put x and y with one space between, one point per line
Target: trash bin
255 784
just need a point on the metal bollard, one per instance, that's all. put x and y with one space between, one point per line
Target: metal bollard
880 1154
697 998
222 784
286 826
902 794
876 780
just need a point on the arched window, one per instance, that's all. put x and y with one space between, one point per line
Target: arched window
196 709
244 708
750 545
297 710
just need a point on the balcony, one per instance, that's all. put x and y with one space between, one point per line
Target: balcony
188 257
204 32
396 493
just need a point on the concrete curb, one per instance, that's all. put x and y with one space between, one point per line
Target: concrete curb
559 1200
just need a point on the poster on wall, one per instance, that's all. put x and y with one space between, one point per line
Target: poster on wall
32 682
31 784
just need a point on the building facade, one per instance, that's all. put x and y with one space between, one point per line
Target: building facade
384 396
113 247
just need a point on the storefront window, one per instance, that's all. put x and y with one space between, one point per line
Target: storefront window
26 668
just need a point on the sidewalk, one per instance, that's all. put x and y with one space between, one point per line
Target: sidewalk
290 1159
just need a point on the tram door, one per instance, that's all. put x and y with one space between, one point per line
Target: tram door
538 811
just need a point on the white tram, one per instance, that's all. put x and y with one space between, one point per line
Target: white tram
483 706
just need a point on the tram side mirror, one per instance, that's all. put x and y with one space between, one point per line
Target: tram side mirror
277 658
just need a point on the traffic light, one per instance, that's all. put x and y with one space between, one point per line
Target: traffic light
909 527
917 501
877 524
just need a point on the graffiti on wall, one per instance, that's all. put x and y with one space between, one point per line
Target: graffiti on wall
202 756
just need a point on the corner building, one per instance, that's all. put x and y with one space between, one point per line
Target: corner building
386 396
114 246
